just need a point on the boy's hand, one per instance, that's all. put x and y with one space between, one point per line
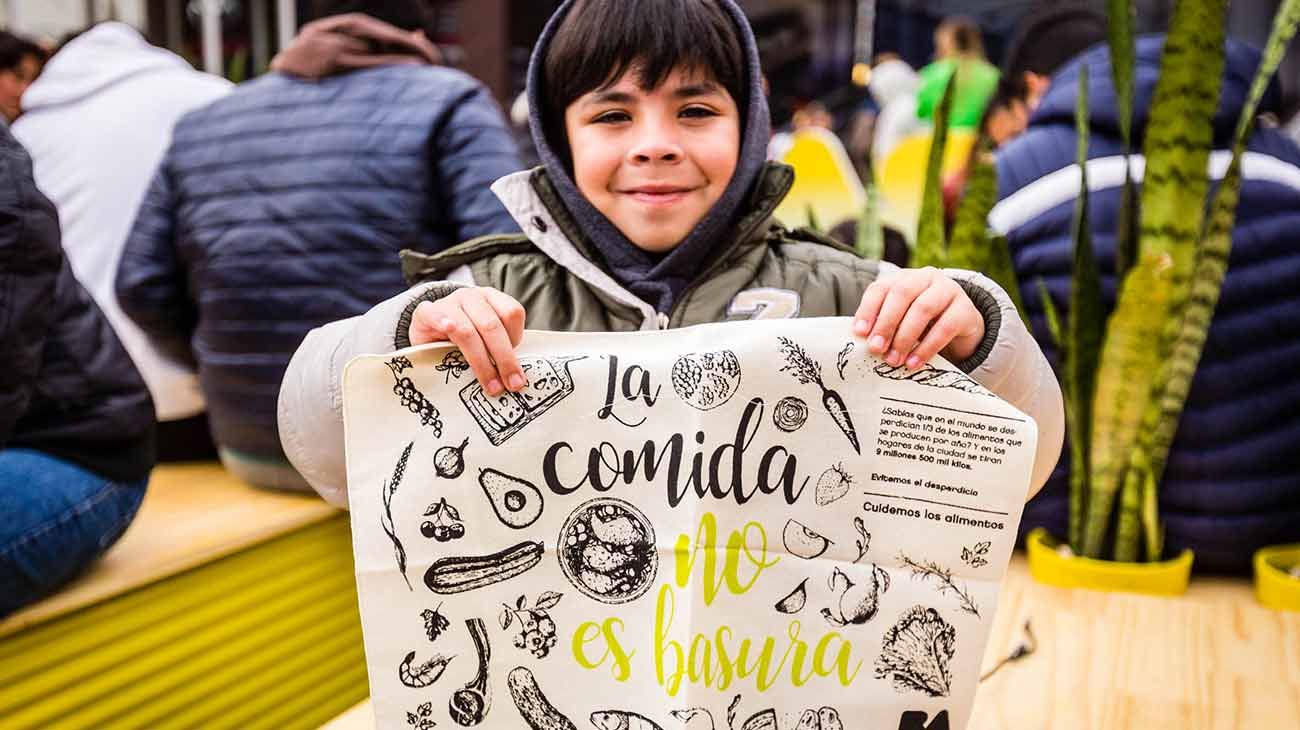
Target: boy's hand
910 317
485 324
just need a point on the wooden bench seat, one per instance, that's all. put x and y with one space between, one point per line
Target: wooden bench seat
223 605
1211 660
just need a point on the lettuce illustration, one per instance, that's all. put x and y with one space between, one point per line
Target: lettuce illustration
916 651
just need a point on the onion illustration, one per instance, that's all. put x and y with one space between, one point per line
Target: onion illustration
449 461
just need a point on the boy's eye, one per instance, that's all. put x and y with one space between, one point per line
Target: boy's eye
698 112
612 118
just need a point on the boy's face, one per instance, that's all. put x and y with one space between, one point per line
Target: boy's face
654 162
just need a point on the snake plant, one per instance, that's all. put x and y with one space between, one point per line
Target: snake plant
1126 377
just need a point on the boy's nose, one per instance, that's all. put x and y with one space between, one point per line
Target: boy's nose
655 145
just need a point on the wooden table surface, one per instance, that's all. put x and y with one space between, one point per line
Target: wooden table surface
1210 660
192 514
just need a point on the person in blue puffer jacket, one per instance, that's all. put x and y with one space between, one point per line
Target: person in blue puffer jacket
284 205
1232 484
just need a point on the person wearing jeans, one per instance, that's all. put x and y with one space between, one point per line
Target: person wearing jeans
76 422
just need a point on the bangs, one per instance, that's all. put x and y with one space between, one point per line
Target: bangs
600 40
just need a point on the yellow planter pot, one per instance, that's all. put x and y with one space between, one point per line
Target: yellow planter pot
1050 566
1274 586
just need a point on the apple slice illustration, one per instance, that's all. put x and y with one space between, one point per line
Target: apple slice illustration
802 542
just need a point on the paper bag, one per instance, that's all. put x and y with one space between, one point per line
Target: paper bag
744 526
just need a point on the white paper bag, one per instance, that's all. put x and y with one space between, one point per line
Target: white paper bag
744 526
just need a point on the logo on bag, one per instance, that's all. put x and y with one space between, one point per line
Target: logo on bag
916 720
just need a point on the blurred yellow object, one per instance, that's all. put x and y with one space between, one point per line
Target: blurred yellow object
1275 586
862 74
900 177
824 179
1050 566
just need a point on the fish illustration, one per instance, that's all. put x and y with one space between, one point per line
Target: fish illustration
620 720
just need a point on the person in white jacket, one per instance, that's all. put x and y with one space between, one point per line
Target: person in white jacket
96 123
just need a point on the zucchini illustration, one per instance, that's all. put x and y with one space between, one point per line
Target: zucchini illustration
459 574
533 706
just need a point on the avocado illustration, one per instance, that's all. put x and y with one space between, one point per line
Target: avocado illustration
517 502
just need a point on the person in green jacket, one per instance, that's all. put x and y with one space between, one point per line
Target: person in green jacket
652 209
959 49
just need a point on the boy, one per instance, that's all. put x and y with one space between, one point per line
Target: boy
652 209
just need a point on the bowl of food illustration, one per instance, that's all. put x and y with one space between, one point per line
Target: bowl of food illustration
607 550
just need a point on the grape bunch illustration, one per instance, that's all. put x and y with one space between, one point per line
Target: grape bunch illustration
412 399
537 632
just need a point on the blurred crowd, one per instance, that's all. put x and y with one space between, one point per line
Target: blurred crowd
167 240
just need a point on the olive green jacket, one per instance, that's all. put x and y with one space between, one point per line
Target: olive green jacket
761 271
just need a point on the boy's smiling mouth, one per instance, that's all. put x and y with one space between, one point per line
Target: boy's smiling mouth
658 194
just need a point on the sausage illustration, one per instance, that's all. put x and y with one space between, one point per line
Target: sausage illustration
455 575
536 710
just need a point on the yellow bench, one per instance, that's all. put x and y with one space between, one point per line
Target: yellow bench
223 606
1211 660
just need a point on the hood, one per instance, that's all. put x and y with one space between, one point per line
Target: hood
658 279
1057 106
106 54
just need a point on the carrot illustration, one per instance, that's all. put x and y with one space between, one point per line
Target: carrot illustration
809 372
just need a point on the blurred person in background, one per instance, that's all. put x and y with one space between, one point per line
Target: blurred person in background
284 205
20 64
76 422
96 123
959 51
893 87
1044 42
1232 483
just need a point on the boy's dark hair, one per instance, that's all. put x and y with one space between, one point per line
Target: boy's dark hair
966 36
599 40
405 14
1009 90
13 49
1046 40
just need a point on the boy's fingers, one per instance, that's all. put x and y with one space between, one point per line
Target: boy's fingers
924 311
424 325
941 333
510 311
869 309
461 331
492 333
902 292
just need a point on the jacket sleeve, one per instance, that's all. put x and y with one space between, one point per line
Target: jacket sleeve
151 282
1010 363
310 408
29 271
469 151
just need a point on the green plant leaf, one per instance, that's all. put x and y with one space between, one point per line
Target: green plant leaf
1128 524
813 225
1142 328
1174 381
1053 317
870 243
969 246
1126 227
1121 17
1000 268
1084 329
931 243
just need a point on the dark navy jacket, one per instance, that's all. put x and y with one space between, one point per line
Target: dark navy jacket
67 386
1232 483
283 206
